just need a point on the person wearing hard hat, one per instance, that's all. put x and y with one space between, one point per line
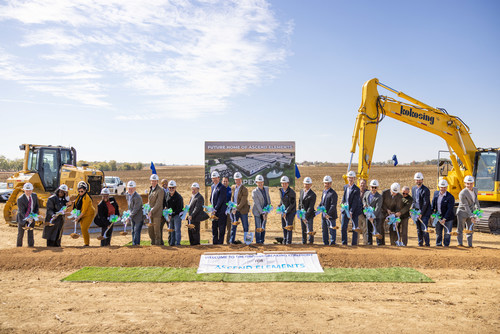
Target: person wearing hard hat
288 199
155 199
363 189
353 199
106 208
26 203
329 200
225 183
443 203
218 199
307 201
195 214
52 231
422 201
467 204
392 201
261 199
407 201
134 201
239 195
164 185
175 202
83 202
372 199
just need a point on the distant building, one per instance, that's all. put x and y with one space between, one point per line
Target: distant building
219 168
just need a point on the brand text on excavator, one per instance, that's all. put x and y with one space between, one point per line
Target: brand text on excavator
422 116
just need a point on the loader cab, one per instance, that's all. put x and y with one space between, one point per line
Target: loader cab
47 162
486 171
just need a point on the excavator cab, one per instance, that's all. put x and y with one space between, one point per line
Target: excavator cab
486 171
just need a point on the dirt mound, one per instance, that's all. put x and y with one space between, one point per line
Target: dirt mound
184 256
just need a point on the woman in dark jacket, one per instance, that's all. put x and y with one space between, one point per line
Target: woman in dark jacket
105 209
53 228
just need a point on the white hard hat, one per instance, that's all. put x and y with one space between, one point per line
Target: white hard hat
131 184
284 179
395 187
443 183
154 177
27 186
172 183
418 176
63 187
105 191
215 174
195 185
327 178
351 174
469 179
237 175
259 178
82 184
374 183
308 180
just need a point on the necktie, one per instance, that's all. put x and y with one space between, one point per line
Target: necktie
29 207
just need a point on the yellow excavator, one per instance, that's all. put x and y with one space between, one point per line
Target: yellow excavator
46 167
465 158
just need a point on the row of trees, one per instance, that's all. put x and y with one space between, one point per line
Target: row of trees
8 165
112 165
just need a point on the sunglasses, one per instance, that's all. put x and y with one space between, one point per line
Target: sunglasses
406 194
374 187
171 187
81 191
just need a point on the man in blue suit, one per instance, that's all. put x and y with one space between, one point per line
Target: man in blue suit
443 203
218 196
353 199
421 201
329 201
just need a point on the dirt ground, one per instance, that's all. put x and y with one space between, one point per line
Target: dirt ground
465 295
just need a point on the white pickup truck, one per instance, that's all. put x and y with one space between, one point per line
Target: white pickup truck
115 185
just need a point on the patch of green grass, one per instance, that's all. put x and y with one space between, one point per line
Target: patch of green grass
148 242
155 274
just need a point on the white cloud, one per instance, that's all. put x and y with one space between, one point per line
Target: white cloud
180 58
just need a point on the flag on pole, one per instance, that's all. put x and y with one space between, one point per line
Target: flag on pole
297 173
395 159
152 167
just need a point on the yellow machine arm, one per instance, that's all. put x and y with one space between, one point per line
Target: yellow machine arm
452 129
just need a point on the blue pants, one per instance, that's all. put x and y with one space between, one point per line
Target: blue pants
174 238
219 230
259 236
440 240
244 222
343 229
136 232
305 229
329 234
423 236
287 235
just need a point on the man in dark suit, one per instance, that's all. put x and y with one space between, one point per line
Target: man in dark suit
329 200
422 201
392 202
218 196
27 203
288 199
353 199
239 195
307 201
443 203
195 214
372 199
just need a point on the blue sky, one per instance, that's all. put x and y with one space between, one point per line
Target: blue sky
153 80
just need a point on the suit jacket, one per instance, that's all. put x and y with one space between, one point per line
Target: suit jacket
155 200
258 200
447 205
22 206
135 207
394 204
375 203
196 208
405 208
467 204
288 199
329 201
354 200
54 204
424 199
307 203
101 219
219 199
242 205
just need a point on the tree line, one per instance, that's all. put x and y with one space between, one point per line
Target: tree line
112 165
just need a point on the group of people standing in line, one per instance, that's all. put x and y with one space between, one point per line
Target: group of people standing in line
365 208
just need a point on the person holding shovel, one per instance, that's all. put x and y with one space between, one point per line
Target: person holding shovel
372 199
26 204
107 208
83 203
443 203
54 221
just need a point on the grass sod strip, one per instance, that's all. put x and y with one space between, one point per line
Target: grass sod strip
159 274
183 242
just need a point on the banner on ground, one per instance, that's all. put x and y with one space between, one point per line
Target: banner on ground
268 262
251 158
